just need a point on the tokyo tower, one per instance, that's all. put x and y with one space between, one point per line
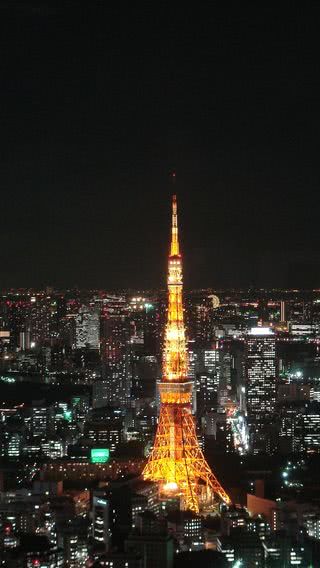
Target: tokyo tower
176 461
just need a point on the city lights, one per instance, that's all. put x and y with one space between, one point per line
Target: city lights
159 397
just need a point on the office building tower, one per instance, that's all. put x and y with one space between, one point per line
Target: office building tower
24 340
115 347
291 427
101 520
199 312
151 542
40 319
72 538
207 388
260 363
242 548
42 422
104 428
100 393
311 428
87 328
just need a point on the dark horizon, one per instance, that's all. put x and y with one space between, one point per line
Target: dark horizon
99 105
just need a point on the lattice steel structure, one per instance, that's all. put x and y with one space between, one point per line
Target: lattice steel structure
176 461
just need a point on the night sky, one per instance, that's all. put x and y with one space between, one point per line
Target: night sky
99 104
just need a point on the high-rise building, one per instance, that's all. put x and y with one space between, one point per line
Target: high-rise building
213 379
41 421
12 441
207 389
104 428
115 338
176 461
72 538
100 393
157 550
260 362
87 328
291 427
16 317
40 319
187 528
242 548
199 311
101 519
311 430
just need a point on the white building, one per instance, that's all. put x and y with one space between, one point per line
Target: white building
87 328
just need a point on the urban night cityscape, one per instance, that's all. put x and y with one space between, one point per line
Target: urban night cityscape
160 285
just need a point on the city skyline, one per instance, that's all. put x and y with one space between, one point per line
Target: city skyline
160 397
82 425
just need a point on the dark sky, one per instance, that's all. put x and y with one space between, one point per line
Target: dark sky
99 103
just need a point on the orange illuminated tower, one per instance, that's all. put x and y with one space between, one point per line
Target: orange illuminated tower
176 461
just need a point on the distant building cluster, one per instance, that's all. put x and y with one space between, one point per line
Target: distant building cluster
79 406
